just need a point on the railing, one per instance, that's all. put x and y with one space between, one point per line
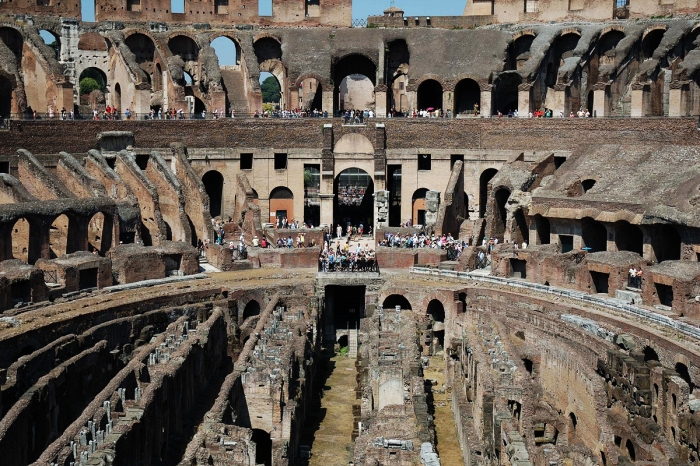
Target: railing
359 23
348 265
654 317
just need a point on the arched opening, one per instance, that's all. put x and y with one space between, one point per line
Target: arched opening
213 182
437 313
359 67
561 49
168 231
418 206
651 42
144 51
52 40
251 309
484 180
117 100
500 214
227 51
594 235
397 63
629 446
356 93
281 205
263 447
158 78
467 97
506 92
628 237
650 354
684 373
92 79
354 200
587 185
20 240
185 47
343 341
666 243
430 95
311 95
5 97
146 235
462 298
267 48
312 200
519 52
394 300
543 229
606 52
271 89
522 230
58 236
100 233
13 40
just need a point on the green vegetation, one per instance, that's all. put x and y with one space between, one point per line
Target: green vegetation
87 85
270 90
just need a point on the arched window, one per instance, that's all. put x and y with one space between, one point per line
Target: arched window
214 185
430 95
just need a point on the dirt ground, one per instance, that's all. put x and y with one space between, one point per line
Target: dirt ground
329 428
445 430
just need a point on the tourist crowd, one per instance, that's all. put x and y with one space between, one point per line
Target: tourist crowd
343 259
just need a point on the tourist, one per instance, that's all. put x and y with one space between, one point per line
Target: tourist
632 282
638 278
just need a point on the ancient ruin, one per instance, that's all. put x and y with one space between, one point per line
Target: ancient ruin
166 291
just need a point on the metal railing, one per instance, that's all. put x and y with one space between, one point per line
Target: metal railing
653 317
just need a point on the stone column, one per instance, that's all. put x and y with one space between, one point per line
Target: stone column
432 206
294 97
380 101
381 209
327 102
411 101
524 97
327 208
448 101
677 99
561 99
600 100
485 106
637 107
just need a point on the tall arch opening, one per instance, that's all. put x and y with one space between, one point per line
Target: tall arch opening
628 237
354 200
500 214
251 309
506 95
281 205
519 52
606 48
213 182
561 49
53 41
267 48
651 42
311 95
418 206
594 235
397 65
92 87
429 95
227 51
185 47
117 100
5 97
271 89
13 40
312 199
20 240
437 313
263 447
394 300
684 373
543 229
650 354
363 75
144 51
58 236
467 96
484 180
665 243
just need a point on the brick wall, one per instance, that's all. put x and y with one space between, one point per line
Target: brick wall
50 137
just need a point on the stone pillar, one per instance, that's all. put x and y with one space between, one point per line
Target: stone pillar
294 97
560 101
381 209
327 173
677 99
524 97
380 101
327 102
485 106
600 101
411 101
142 102
432 206
380 156
637 102
327 208
448 101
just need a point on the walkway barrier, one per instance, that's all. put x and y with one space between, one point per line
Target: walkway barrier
654 317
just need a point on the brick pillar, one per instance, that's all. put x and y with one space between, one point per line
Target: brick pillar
486 100
327 102
448 101
524 98
294 97
677 99
380 101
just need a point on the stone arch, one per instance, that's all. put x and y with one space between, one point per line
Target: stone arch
282 203
354 197
519 50
298 82
251 309
390 300
13 39
213 182
234 40
183 45
351 64
277 69
445 301
505 95
628 237
267 47
650 40
467 94
353 143
665 242
484 180
429 94
594 234
100 232
56 43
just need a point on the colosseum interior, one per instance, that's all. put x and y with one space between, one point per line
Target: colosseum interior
130 336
